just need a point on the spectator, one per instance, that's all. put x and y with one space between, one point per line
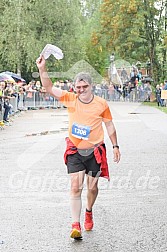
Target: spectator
111 92
158 95
4 96
165 85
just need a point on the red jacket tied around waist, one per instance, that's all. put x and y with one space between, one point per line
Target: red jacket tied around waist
99 153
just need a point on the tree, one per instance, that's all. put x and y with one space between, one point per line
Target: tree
132 29
153 32
35 23
94 53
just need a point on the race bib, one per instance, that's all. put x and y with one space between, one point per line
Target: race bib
80 131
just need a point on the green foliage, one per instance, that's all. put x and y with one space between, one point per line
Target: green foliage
85 30
27 26
133 29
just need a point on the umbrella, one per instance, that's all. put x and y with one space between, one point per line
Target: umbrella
15 76
6 77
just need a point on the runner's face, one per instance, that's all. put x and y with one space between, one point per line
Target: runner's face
82 88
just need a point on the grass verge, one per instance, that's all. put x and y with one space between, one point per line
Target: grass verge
154 104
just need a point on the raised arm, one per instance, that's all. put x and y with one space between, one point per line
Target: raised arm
46 81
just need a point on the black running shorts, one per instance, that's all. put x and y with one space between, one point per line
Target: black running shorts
81 161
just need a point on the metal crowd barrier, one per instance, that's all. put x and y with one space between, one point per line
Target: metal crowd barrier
34 100
14 102
1 110
37 100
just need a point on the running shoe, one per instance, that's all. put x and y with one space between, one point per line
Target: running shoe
76 231
88 224
1 123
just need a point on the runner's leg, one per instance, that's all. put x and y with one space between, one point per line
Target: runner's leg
77 180
92 191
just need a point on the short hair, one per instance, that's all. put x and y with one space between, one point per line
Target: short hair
83 77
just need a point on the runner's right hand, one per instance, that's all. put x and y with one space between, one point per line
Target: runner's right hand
41 63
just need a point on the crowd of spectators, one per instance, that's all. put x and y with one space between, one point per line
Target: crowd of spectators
159 88
15 97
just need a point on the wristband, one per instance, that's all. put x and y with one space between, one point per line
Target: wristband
115 146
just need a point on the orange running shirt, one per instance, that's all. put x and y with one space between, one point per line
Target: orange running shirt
85 119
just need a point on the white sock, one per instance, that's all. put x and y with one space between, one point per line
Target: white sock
76 205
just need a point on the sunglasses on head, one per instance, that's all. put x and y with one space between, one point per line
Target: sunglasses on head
84 87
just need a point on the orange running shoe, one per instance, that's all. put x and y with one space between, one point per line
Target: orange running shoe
76 231
88 224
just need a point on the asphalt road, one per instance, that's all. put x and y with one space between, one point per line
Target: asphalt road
130 213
